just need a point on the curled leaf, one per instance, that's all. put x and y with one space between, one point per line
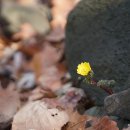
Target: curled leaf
39 116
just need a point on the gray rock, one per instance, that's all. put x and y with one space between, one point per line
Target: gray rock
100 112
118 104
96 111
15 15
98 32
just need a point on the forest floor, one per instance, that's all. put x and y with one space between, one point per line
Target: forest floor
36 91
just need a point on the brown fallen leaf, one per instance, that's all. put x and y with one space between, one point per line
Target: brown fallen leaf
7 51
3 41
104 123
39 116
9 105
52 78
71 97
53 102
56 35
85 122
26 31
60 11
31 46
77 121
40 93
49 56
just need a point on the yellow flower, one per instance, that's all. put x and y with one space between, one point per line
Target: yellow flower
84 68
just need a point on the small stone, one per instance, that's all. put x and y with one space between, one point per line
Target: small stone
95 111
118 104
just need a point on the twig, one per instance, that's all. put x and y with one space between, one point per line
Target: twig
106 89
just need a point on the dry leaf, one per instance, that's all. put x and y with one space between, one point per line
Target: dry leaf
56 35
50 55
53 103
72 96
80 122
60 11
77 121
7 51
3 41
51 78
40 93
26 31
104 124
9 104
39 116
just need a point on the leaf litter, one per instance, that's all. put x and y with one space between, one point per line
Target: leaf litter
39 93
